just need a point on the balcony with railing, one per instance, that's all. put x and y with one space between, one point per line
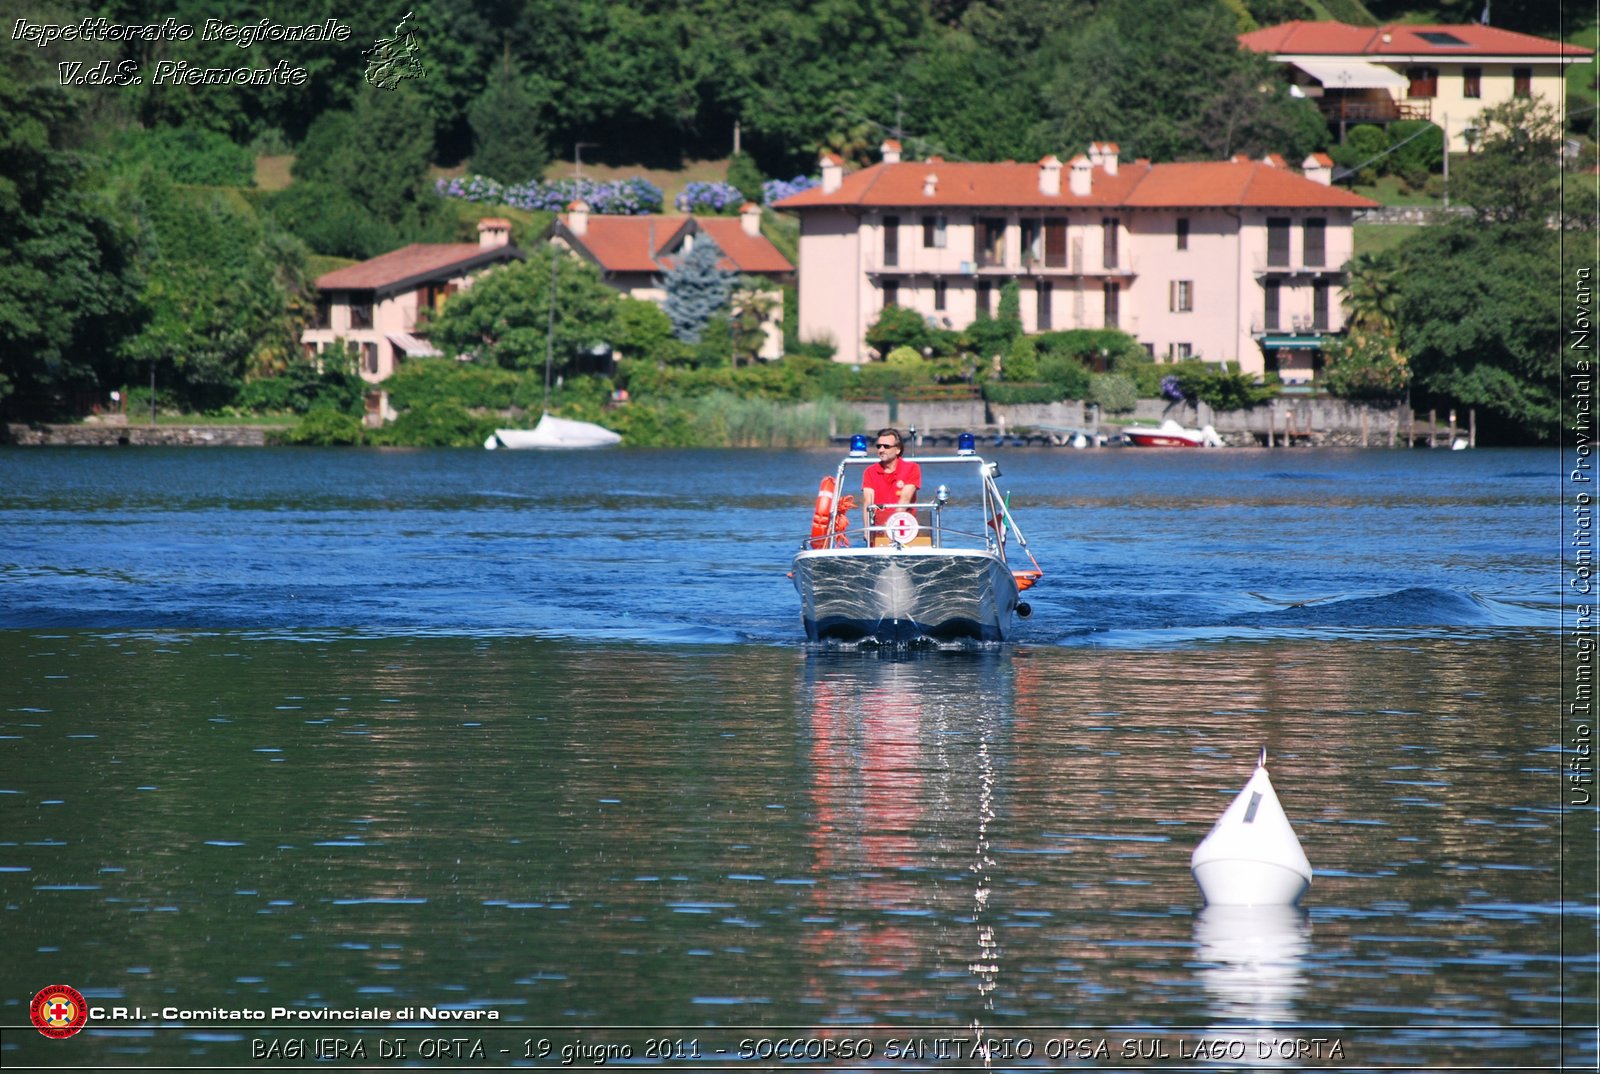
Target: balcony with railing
1348 110
1289 265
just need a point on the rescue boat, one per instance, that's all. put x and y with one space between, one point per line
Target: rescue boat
937 570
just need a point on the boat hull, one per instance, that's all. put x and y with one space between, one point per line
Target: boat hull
1159 439
904 596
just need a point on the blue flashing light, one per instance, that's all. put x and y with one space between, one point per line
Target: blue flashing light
858 444
966 444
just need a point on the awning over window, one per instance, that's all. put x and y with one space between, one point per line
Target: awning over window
1282 341
413 347
1352 74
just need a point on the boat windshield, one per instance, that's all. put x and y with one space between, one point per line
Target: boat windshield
958 506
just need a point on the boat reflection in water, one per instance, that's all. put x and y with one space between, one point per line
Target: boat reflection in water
905 779
1252 966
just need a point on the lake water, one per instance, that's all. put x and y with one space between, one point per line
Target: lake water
357 734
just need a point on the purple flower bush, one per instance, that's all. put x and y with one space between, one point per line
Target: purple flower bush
775 190
622 197
709 198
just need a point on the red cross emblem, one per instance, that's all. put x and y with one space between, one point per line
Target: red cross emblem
59 1011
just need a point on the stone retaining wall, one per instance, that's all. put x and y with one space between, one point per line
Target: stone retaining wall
94 434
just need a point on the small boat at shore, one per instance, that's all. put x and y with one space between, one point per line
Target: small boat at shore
943 577
1170 434
553 434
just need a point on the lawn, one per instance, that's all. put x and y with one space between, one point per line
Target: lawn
1376 238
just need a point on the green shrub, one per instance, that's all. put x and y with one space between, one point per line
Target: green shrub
1113 393
1221 387
898 327
1009 392
1022 360
301 389
743 173
326 427
189 155
1422 154
439 424
1067 373
420 381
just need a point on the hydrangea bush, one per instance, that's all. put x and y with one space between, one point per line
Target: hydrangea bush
775 190
622 197
709 198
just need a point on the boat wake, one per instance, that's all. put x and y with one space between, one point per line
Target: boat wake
1421 611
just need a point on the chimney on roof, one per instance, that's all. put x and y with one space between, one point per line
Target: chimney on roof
1275 160
1108 157
1094 154
1241 158
750 218
1078 178
493 231
1050 176
891 151
1318 167
578 217
930 184
832 172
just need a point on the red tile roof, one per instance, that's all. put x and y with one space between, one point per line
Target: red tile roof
417 261
1300 38
636 243
1225 184
748 253
964 185
1237 184
624 243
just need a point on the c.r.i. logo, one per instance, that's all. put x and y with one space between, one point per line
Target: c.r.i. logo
59 1011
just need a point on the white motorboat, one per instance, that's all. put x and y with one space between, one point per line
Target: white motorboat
936 573
553 434
1170 434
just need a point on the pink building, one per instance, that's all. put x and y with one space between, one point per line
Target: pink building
1235 260
375 305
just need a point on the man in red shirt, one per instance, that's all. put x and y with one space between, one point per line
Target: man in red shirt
891 482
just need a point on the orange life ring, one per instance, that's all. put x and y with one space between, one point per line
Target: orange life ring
822 517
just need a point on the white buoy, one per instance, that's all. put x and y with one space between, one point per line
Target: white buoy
1251 857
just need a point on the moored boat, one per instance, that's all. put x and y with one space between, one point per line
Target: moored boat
553 434
941 576
1170 434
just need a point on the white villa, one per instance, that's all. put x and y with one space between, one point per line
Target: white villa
1445 74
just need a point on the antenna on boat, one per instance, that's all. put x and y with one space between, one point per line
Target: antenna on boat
550 326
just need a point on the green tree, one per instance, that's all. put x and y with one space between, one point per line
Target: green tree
743 174
1478 309
215 292
1365 364
505 316
1022 360
369 171
698 288
508 141
897 327
1166 79
641 330
752 308
1514 174
69 287
1370 296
